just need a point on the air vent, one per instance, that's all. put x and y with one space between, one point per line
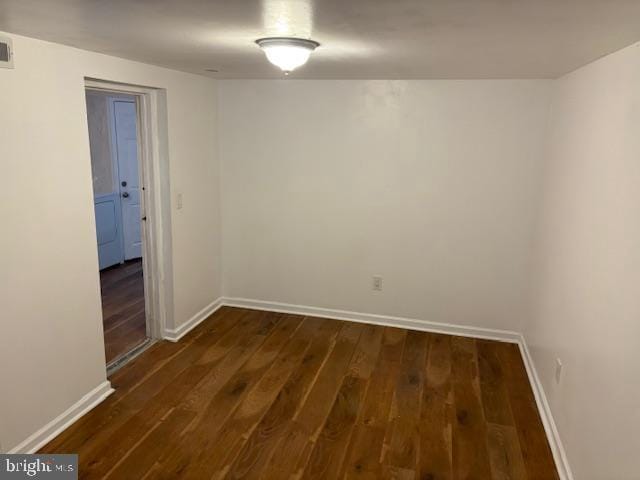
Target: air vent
6 53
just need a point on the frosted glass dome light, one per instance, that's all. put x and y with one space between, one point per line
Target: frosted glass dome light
287 53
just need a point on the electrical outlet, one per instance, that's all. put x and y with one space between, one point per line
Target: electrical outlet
377 283
179 201
558 370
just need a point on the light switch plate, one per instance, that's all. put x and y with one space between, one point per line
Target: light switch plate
559 367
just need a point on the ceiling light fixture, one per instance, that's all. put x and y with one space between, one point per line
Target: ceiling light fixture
287 53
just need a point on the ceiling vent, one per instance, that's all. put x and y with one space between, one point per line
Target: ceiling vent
6 53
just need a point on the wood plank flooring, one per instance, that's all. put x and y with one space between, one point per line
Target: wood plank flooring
251 394
123 312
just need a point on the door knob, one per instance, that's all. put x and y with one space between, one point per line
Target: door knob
123 183
125 195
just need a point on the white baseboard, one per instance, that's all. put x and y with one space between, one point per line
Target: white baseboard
97 395
40 438
173 335
553 436
551 431
385 320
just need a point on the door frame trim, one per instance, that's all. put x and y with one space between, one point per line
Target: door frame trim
153 163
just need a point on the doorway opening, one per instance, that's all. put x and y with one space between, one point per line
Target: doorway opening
116 152
128 135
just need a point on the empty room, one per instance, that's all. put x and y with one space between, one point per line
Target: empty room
295 239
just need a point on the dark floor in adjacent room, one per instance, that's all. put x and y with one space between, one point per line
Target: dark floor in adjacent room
123 308
252 394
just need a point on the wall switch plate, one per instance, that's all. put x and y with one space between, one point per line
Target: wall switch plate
377 283
558 370
179 201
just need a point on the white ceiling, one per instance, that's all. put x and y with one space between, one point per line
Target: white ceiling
359 38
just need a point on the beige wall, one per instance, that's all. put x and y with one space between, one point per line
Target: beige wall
587 287
430 184
51 344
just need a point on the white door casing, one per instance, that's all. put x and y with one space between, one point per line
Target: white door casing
154 196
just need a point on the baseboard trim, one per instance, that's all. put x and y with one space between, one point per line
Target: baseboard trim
553 436
385 320
174 335
40 438
102 391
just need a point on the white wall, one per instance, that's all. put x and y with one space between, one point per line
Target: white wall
51 332
587 287
430 184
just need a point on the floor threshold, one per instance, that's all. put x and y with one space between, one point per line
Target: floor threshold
121 361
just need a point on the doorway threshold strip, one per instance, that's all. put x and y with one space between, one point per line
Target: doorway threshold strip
120 362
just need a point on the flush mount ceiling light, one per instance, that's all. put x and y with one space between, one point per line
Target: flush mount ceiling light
287 53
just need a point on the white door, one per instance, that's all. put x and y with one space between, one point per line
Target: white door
108 222
126 147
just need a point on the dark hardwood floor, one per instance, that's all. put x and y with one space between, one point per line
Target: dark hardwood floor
123 308
251 394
